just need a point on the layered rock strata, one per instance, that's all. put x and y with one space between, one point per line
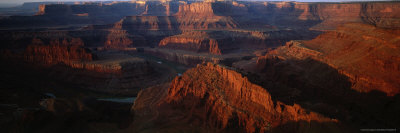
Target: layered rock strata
220 99
368 55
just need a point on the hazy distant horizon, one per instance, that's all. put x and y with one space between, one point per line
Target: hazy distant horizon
5 3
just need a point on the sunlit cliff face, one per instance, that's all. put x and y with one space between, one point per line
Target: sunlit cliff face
219 98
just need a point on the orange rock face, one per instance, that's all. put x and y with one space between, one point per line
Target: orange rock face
68 52
193 41
223 100
118 37
203 16
65 51
42 10
156 8
369 56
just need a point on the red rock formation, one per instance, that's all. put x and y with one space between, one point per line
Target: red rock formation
223 100
202 16
369 56
69 52
142 23
117 37
57 51
204 9
42 10
190 16
55 9
192 41
325 16
334 14
153 8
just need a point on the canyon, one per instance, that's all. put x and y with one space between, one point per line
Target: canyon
200 66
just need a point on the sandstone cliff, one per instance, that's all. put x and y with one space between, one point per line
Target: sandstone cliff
378 14
193 41
153 8
353 66
118 37
142 23
69 52
368 55
189 17
222 100
65 51
202 16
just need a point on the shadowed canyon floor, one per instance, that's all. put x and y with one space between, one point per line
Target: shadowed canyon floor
200 66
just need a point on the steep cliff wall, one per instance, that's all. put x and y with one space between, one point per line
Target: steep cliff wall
142 23
41 10
379 14
192 41
189 17
202 16
153 8
65 51
118 37
54 9
321 16
222 100
368 55
201 8
141 31
69 52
